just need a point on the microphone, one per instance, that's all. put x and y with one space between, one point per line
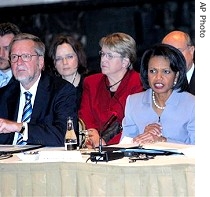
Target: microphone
104 155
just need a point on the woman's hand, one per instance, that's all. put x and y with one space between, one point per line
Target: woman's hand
154 129
152 133
93 139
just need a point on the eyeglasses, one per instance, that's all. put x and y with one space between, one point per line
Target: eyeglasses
109 56
25 57
67 57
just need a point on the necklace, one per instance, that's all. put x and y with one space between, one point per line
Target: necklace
154 101
74 78
109 87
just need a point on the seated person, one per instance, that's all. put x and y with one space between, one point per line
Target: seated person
105 93
7 32
165 111
184 43
69 61
52 99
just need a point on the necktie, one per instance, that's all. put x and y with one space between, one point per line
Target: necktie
27 111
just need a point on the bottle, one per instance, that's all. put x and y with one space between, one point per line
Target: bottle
70 137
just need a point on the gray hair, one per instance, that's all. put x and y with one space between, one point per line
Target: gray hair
39 45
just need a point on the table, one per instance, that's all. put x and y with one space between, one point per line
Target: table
162 176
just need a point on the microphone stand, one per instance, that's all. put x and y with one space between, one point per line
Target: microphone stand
106 125
104 155
100 144
100 155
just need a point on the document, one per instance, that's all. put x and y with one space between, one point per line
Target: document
5 149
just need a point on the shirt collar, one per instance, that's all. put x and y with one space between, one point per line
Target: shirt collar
190 73
7 74
32 90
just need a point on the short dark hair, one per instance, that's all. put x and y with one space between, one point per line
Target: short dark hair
177 64
77 47
9 28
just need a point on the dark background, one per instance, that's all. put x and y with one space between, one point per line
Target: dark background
147 21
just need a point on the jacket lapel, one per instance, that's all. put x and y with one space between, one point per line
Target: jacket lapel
13 102
42 97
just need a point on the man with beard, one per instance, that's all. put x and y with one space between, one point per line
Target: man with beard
34 106
7 32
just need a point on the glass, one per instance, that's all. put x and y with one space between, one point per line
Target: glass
109 56
83 136
25 57
68 57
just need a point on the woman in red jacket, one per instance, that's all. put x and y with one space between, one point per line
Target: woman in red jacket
104 94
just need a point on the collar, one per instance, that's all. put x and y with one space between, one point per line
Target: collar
7 74
190 72
32 90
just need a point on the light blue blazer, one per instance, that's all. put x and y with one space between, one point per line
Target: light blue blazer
177 119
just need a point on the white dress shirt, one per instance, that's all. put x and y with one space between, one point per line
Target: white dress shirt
32 90
190 73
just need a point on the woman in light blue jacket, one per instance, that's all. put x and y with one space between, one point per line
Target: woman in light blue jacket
165 111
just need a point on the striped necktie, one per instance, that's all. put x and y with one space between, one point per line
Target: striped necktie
27 111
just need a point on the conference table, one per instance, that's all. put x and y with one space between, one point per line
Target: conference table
171 175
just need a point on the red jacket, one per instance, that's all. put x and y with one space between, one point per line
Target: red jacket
97 105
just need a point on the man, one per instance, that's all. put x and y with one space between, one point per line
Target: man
53 99
7 32
183 42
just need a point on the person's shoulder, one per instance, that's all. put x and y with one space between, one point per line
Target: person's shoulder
13 83
10 89
185 93
188 95
55 81
52 79
138 95
135 99
134 73
94 77
133 76
184 97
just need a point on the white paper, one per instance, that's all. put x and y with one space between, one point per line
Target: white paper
126 140
69 156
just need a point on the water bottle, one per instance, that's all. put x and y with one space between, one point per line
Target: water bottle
70 137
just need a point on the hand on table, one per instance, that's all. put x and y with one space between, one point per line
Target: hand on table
152 133
93 139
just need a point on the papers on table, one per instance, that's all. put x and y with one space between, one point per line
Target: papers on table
51 154
69 156
10 149
126 140
187 150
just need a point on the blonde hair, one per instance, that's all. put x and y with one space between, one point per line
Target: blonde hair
121 43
